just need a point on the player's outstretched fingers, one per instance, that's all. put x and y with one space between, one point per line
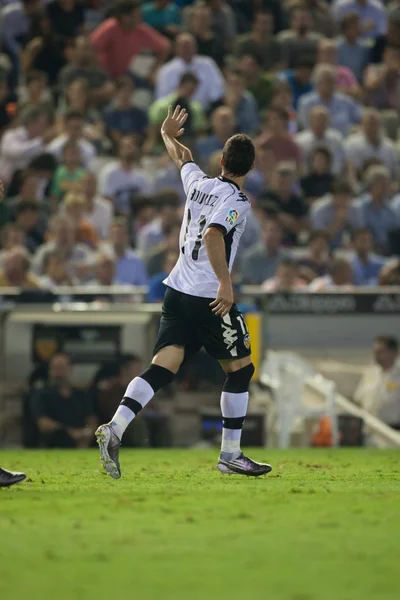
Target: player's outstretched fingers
176 112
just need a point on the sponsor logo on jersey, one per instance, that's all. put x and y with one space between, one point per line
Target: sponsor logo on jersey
246 341
232 216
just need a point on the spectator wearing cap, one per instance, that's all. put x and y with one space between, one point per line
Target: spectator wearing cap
260 40
371 143
130 268
122 118
376 212
275 136
300 39
74 123
15 271
336 214
292 210
69 173
18 146
242 102
125 179
182 96
339 276
163 15
382 81
353 53
286 278
155 232
211 82
223 126
321 134
344 111
346 81
67 17
119 40
260 261
299 78
200 26
98 210
320 178
365 264
260 84
372 15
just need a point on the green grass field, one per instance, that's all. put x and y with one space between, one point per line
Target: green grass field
325 525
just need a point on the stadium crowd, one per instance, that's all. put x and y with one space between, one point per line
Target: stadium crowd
90 196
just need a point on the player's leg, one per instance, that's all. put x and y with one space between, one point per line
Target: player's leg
7 478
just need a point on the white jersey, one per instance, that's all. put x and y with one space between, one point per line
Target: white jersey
209 202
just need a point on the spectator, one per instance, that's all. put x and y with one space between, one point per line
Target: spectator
68 175
299 78
382 81
320 178
118 41
156 283
340 276
36 92
300 40
223 21
124 180
211 84
130 269
20 145
352 52
208 43
345 78
15 24
62 240
15 271
122 118
319 134
372 15
98 210
260 41
105 270
376 213
242 102
163 15
44 166
63 413
286 278
276 137
336 214
260 84
390 273
55 271
391 38
182 96
84 65
156 257
292 209
282 96
370 143
260 261
317 259
155 232
74 123
27 215
66 17
74 206
378 392
223 127
344 111
321 15
246 12
366 265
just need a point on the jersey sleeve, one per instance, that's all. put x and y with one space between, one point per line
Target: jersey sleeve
190 173
230 213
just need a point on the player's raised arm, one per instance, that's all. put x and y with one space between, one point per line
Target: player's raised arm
171 129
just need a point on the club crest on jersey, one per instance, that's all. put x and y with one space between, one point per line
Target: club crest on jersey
232 216
246 341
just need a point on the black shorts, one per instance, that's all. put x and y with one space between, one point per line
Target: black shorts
188 321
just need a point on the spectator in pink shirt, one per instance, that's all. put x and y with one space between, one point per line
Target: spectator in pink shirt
119 40
345 79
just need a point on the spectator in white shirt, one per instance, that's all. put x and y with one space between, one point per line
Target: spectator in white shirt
99 211
371 143
340 276
20 145
125 179
211 82
286 278
74 123
320 133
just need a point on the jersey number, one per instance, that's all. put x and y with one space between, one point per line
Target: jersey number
197 246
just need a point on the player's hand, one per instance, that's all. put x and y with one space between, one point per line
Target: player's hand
224 300
173 124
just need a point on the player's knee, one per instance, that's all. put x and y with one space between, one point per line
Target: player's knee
239 381
170 357
157 377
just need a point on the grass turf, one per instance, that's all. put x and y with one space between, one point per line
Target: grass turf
324 525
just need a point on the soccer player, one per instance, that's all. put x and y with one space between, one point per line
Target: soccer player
198 309
7 478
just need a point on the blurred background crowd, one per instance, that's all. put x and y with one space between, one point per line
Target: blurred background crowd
91 198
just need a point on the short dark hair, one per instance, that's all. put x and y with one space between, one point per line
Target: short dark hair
189 78
239 154
32 113
322 150
281 112
25 206
124 81
35 75
341 186
44 162
257 56
359 231
390 342
126 7
348 19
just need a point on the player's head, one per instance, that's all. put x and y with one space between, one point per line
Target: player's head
386 348
238 155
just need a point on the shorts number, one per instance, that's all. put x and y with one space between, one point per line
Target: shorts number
197 246
242 324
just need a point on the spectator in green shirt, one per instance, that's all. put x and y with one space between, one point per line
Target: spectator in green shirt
196 122
69 174
260 84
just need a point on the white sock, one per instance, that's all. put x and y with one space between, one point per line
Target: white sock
233 406
140 392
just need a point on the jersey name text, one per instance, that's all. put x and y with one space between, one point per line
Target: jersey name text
203 198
